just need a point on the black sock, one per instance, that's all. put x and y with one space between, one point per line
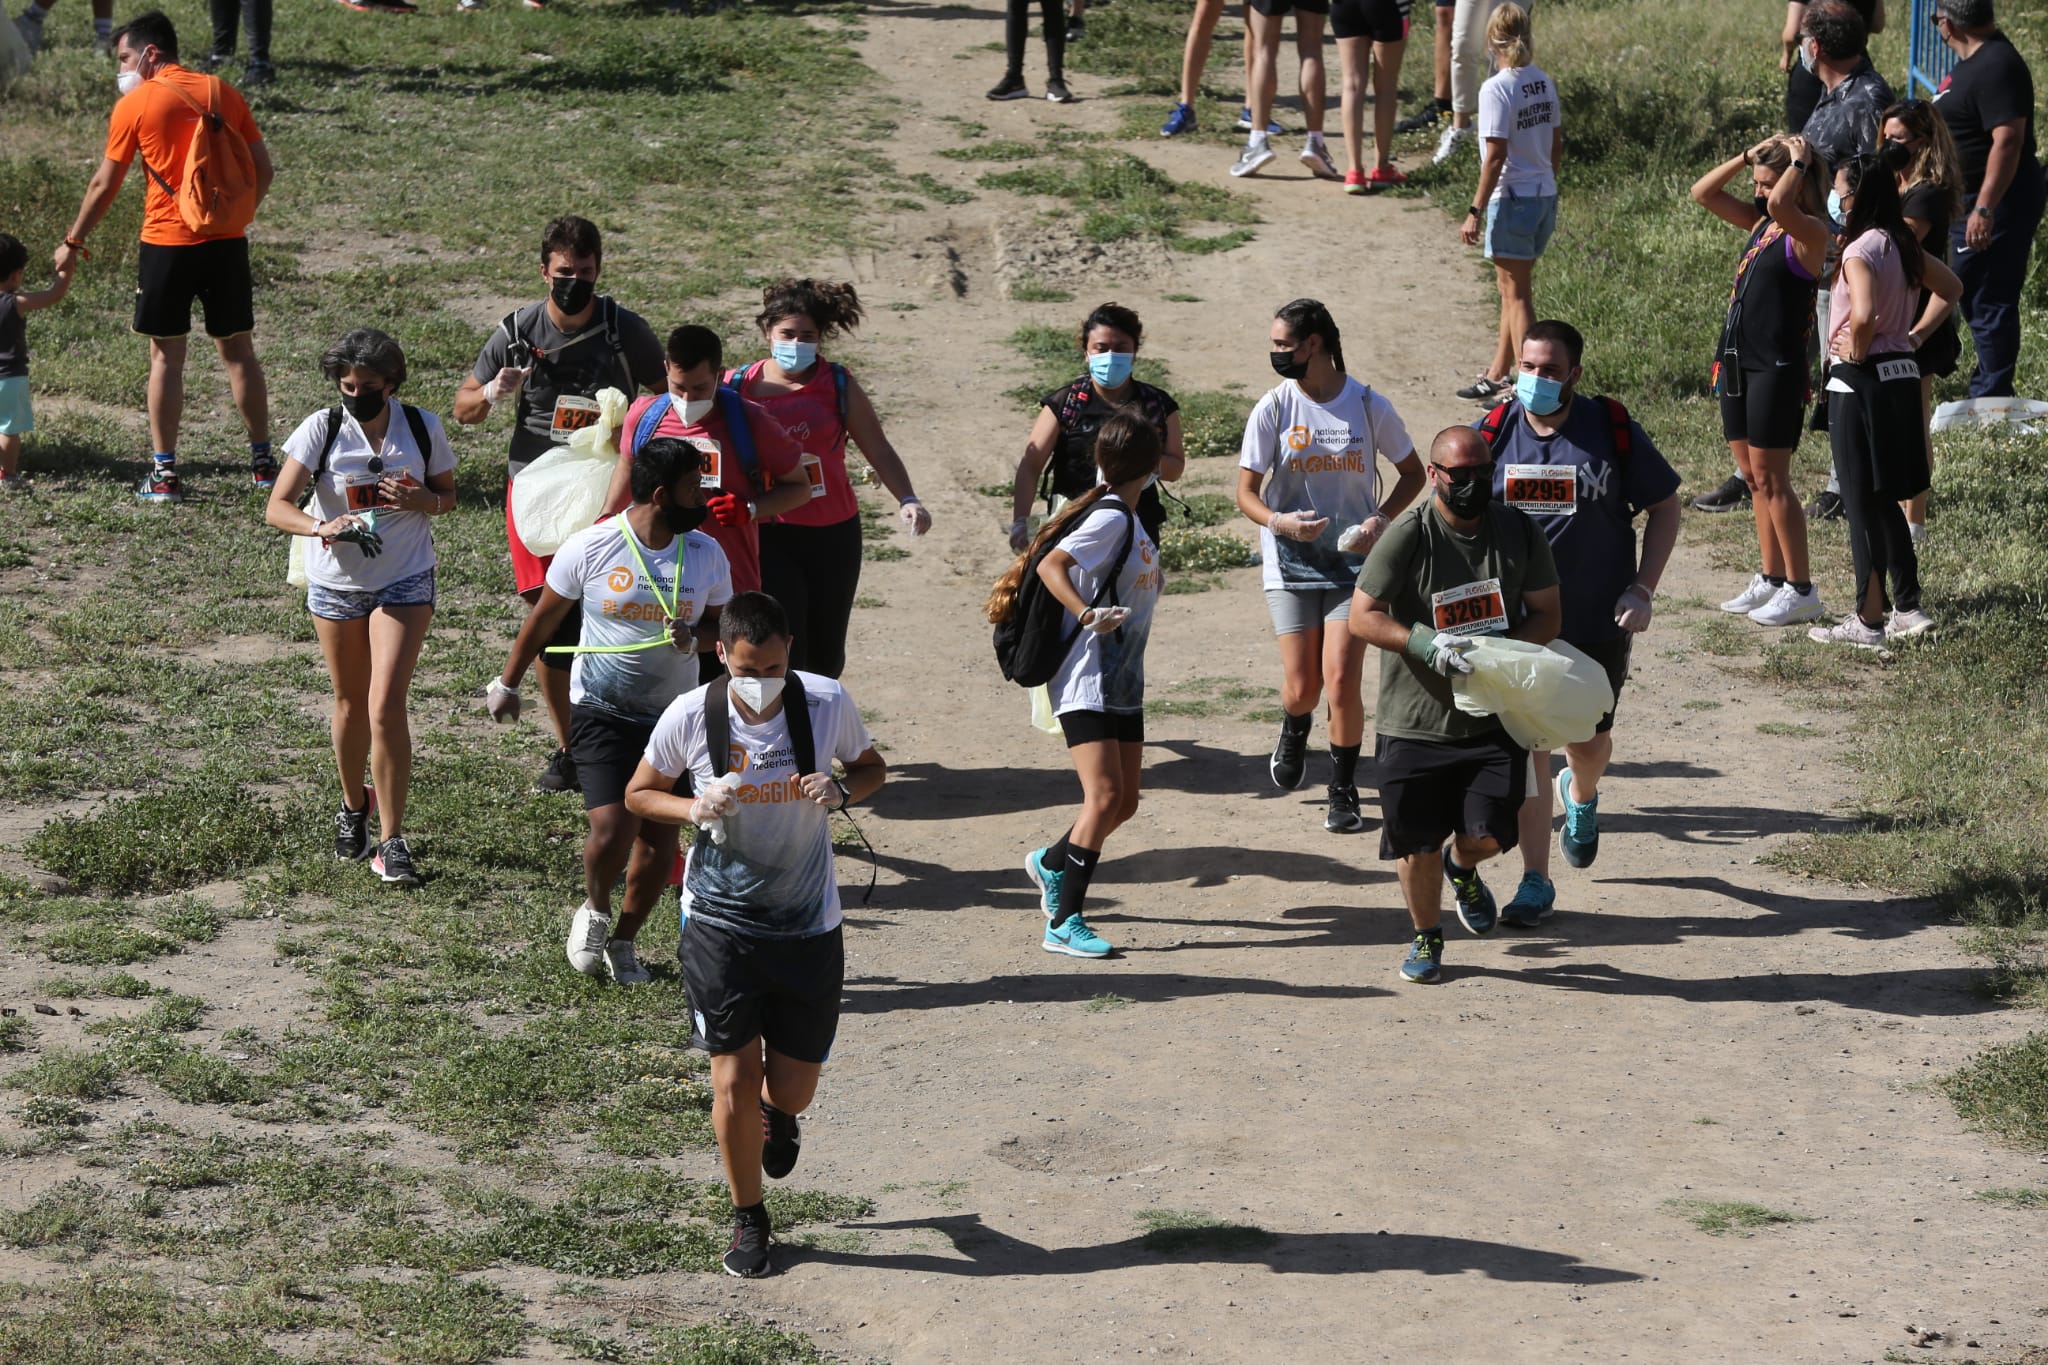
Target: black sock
1078 870
1297 725
756 1214
1801 588
1774 580
1345 757
1443 106
1056 854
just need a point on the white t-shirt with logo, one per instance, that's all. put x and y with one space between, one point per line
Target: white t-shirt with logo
1319 459
620 607
1520 104
349 484
1106 672
773 876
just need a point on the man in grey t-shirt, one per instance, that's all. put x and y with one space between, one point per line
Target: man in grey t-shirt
551 359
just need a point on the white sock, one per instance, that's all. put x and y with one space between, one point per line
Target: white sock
1315 139
1918 530
1258 139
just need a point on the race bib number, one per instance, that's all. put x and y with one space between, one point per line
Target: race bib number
572 414
1475 609
1544 490
714 461
360 490
814 470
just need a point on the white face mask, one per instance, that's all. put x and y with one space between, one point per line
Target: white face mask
695 410
758 693
127 82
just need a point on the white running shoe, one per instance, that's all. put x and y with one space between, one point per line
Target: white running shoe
1316 157
1850 630
1789 607
1447 145
623 964
1255 155
1905 625
589 932
1750 598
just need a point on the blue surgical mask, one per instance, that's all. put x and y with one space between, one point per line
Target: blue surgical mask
1835 209
794 357
1539 395
1111 368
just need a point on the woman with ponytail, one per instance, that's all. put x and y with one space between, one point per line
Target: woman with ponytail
1096 550
1930 193
810 558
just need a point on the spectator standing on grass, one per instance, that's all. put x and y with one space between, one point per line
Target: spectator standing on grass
378 470
1928 198
763 956
1803 89
1455 566
1017 35
1471 60
1194 60
255 20
1583 470
551 359
1440 103
1514 209
1988 104
29 23
1266 18
17 417
1761 372
1371 34
155 119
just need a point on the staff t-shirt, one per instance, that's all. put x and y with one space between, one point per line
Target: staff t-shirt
1424 570
1106 672
1519 104
153 121
1586 501
13 338
773 449
1320 460
1891 298
773 876
348 484
1993 87
569 368
597 568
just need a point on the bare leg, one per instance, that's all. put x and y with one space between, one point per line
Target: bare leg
654 856
736 1081
1343 683
396 634
1194 56
1351 63
166 392
1308 42
1517 313
1773 494
10 455
347 647
1100 766
1533 820
1386 89
554 687
245 378
1265 45
1301 678
606 848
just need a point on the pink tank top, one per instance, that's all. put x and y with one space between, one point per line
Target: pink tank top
811 417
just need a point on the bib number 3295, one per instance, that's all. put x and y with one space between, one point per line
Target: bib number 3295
1544 490
1474 609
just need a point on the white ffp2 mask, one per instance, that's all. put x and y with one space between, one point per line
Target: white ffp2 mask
758 693
694 410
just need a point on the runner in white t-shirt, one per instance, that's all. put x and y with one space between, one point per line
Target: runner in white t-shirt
1097 560
1312 443
762 952
650 586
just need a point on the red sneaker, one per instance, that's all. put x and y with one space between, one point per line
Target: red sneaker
1386 175
1354 182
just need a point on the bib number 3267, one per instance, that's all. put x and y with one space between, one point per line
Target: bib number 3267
1474 609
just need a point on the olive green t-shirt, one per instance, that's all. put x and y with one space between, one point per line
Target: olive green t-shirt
1428 573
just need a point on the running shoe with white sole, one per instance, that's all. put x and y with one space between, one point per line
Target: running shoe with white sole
1047 880
1425 957
1906 625
352 829
1181 120
1074 938
1289 762
1354 183
1850 630
1476 909
1056 91
1447 145
263 470
1010 88
1251 159
1535 900
1579 840
1077 29
622 964
1789 607
1316 156
1759 591
1382 177
1422 118
1725 496
746 1256
781 1139
589 932
1342 817
393 862
1244 123
1485 389
160 485
1826 506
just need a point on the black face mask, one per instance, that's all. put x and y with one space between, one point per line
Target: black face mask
683 520
1467 500
570 294
1763 205
1286 366
364 406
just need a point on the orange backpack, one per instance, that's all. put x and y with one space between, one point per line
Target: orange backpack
218 198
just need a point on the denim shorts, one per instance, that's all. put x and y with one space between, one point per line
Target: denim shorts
16 419
351 605
1518 228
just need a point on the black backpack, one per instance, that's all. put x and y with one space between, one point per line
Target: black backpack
1033 640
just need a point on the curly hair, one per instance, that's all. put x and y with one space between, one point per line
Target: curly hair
832 305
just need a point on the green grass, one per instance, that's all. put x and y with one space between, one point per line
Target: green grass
2004 1090
1118 196
1180 1232
1107 1001
1723 1216
2026 1197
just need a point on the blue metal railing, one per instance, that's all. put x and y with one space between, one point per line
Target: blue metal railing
1928 59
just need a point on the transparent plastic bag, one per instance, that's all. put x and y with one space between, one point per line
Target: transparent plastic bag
295 564
1042 717
563 491
1547 696
2022 414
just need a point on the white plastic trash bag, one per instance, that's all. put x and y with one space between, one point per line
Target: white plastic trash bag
563 491
14 54
1042 717
1547 696
1990 412
295 565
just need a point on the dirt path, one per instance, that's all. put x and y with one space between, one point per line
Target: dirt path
1469 1172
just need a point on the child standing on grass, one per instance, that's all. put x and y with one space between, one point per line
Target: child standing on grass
16 418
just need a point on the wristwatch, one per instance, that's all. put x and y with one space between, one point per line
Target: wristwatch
1472 212
1983 212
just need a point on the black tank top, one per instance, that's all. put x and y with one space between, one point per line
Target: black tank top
1081 413
1770 314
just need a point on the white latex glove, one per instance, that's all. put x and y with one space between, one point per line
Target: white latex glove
820 787
1103 620
1632 609
1020 536
507 381
913 515
708 811
1447 654
1296 525
502 702
1359 539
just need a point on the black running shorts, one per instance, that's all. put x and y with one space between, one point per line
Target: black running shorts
608 750
1089 727
1770 412
1611 655
169 278
1382 21
784 991
1276 8
1430 789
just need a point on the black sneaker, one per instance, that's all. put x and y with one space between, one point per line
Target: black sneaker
1343 816
257 74
747 1255
393 862
1730 494
1056 91
1826 507
1076 30
352 829
1484 389
1422 118
780 1140
1010 88
1290 755
559 775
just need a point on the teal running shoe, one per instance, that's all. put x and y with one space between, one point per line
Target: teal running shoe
1579 840
1075 939
1425 957
1047 880
1534 901
1475 903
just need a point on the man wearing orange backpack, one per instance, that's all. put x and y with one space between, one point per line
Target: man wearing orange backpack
206 169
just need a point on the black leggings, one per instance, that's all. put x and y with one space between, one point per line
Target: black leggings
1018 28
255 15
1879 543
814 571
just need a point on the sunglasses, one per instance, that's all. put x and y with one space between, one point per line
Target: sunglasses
1465 474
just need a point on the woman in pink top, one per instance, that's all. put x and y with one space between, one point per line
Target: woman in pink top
1873 389
810 558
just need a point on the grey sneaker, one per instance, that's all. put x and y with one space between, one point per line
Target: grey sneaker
1850 630
1907 625
1252 158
